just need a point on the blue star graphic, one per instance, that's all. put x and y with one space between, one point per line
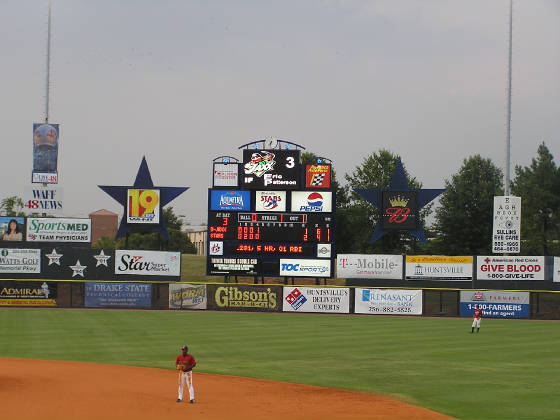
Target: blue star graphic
398 183
143 181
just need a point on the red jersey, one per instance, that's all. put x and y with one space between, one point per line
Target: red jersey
477 313
187 360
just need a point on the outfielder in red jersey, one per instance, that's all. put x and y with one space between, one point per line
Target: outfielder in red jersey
184 364
477 316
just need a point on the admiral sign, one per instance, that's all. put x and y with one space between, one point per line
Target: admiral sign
367 266
143 206
26 293
270 201
230 200
20 260
225 175
305 268
399 210
58 230
306 201
510 268
318 176
495 304
388 302
271 169
147 263
436 267
316 299
506 237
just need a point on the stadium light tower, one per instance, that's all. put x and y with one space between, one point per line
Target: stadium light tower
508 106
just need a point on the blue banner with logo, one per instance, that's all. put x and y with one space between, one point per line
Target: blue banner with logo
495 304
118 295
230 200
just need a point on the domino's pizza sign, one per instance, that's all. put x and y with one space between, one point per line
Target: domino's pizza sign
295 299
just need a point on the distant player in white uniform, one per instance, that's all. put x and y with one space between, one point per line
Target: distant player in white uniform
477 316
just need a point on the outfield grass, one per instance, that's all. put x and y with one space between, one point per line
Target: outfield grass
508 371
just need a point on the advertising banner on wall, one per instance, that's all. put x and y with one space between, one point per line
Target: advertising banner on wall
219 265
43 199
388 302
509 268
438 267
495 304
20 260
245 298
118 295
305 268
368 266
225 175
187 296
312 201
556 275
27 293
230 200
399 210
58 230
506 228
142 206
12 228
147 263
316 299
45 153
270 201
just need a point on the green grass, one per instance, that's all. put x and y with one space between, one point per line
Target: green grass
508 371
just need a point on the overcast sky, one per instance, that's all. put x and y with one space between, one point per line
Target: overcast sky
183 82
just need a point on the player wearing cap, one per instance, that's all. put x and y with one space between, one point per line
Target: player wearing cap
477 316
184 364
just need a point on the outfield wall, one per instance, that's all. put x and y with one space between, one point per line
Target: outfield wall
280 298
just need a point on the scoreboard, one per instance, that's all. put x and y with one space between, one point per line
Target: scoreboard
270 218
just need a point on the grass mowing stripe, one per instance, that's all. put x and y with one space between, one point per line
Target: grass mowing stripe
508 370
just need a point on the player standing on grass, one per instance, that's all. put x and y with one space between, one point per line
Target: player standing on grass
477 316
184 364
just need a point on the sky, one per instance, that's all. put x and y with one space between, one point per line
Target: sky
184 82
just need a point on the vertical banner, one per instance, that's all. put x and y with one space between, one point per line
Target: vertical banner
556 275
388 302
45 153
495 304
506 231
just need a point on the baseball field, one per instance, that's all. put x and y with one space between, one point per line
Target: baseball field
507 371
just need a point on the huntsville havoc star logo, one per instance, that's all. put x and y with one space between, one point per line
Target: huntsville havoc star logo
53 257
101 259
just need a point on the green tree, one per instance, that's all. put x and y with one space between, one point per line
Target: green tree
12 206
358 218
538 185
464 219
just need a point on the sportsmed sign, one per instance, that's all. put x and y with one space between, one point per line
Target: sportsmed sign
142 206
58 230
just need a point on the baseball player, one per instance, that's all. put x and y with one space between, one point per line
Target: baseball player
184 364
477 316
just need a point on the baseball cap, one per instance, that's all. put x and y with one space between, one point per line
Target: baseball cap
184 347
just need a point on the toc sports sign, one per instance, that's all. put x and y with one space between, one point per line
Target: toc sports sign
510 268
305 268
58 230
316 299
495 304
367 266
147 263
388 302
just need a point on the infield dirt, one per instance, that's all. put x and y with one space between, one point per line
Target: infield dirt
41 389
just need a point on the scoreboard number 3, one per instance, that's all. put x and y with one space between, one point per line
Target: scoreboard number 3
290 162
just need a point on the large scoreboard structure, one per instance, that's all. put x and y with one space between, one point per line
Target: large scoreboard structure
278 221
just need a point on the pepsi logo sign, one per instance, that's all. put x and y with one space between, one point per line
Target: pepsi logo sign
305 201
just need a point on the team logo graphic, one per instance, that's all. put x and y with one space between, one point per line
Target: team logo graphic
478 296
261 162
314 202
296 299
270 201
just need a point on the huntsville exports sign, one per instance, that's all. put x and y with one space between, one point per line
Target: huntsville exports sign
58 230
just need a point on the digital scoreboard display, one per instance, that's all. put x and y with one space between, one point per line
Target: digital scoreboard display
270 227
271 169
